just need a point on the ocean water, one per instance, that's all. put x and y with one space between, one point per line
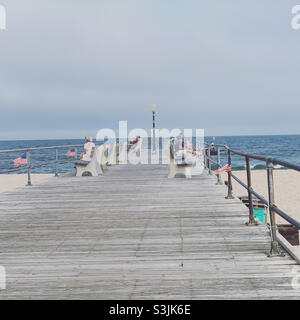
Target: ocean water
285 147
42 161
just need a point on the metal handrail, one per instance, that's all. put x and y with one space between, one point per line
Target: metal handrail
42 148
270 203
55 162
258 157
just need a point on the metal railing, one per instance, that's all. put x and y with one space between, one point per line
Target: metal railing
270 202
29 166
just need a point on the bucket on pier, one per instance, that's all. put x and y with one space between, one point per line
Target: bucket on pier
260 214
259 208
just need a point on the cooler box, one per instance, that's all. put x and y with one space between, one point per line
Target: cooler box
260 214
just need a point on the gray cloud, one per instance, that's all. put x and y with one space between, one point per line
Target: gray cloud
70 66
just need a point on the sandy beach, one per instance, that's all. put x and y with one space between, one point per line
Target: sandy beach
287 187
11 181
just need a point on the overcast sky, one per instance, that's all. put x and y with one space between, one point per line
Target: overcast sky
71 67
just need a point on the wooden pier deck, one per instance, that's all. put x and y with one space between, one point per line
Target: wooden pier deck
134 234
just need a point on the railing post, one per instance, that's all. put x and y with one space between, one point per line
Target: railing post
209 161
275 251
219 182
229 183
118 149
28 169
205 158
252 221
76 153
56 162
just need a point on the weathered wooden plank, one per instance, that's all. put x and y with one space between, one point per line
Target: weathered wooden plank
134 234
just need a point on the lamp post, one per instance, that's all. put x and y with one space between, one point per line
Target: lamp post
153 107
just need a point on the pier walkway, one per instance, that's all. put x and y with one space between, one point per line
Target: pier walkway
134 234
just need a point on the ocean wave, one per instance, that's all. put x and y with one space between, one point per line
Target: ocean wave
259 167
278 166
238 168
252 167
256 167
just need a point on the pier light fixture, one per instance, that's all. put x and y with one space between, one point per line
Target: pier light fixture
153 107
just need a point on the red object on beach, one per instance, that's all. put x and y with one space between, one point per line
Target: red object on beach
225 168
20 160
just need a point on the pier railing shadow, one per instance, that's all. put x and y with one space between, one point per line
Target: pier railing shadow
273 210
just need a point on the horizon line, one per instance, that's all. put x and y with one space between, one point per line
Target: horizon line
243 135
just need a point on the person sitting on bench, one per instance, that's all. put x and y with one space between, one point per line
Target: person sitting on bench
87 149
132 142
184 152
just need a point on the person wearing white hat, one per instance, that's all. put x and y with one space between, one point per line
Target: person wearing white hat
87 149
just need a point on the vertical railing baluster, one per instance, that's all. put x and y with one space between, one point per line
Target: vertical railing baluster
118 149
275 251
28 169
219 182
252 221
209 160
56 162
229 183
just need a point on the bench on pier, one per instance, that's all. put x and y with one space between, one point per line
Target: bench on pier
135 148
126 149
96 166
112 155
87 168
103 156
178 164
